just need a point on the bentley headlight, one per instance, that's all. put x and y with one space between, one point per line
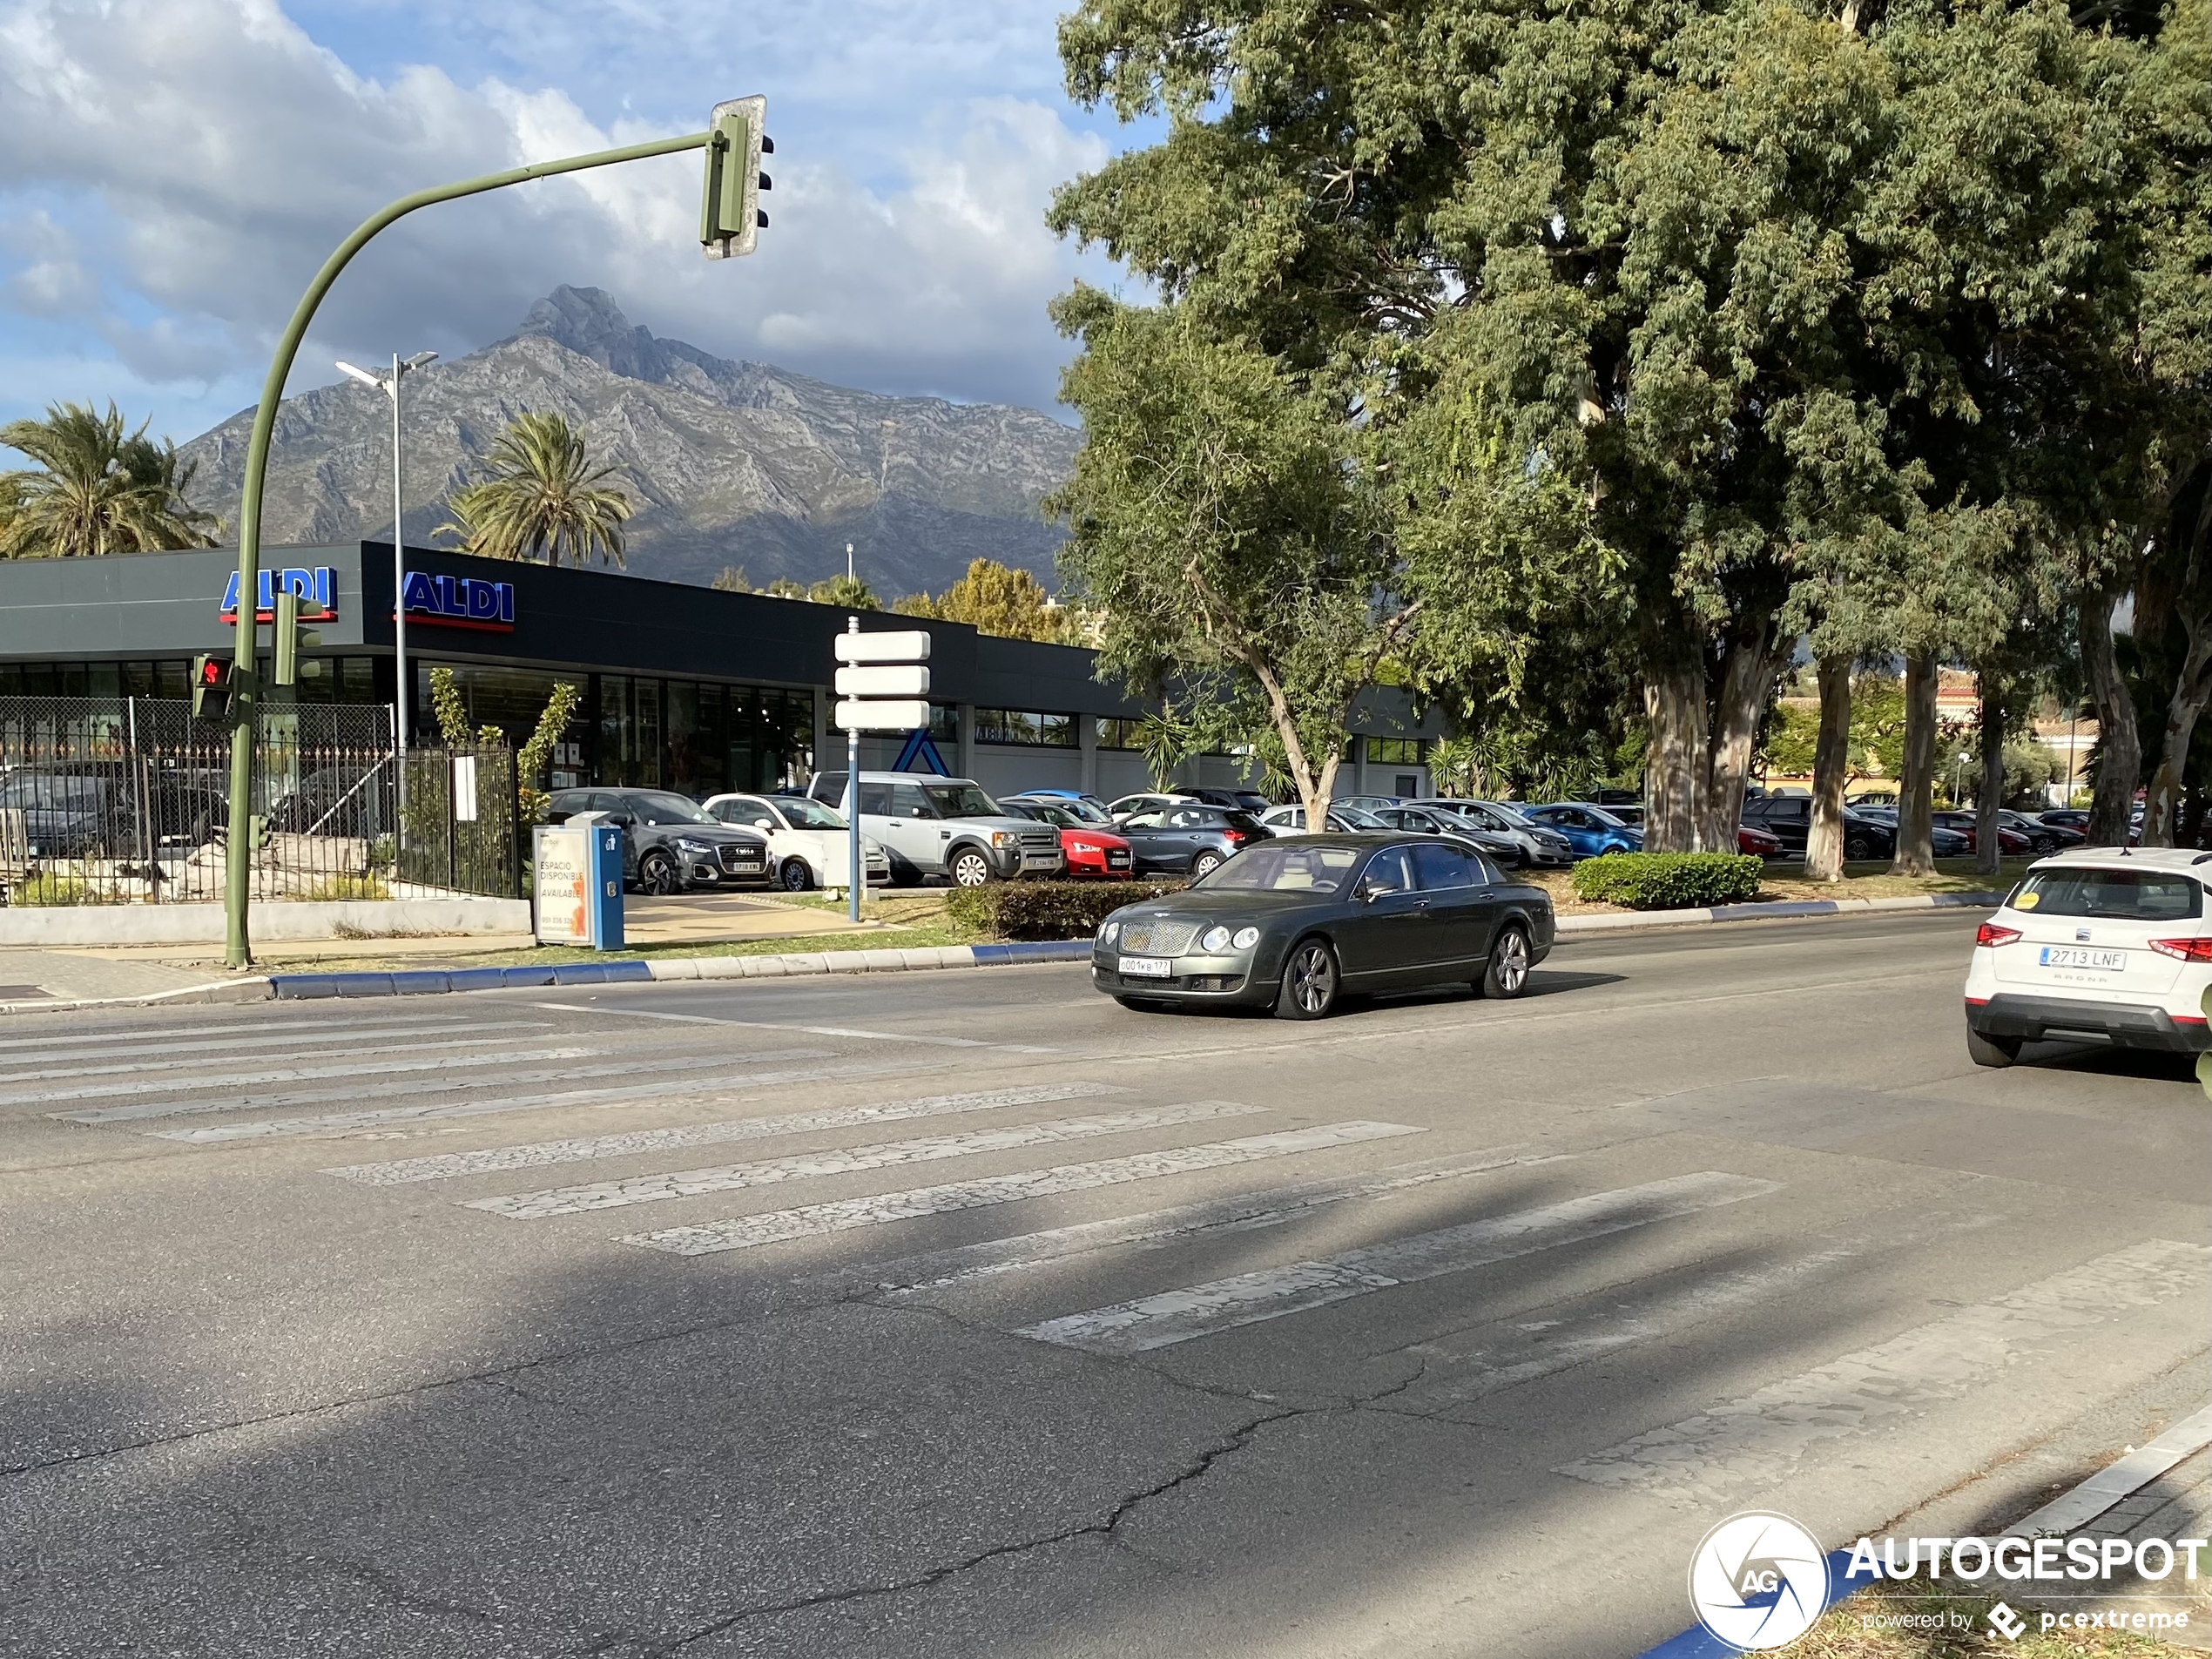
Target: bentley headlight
1246 938
1108 931
1214 938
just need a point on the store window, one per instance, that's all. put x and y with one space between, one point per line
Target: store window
1396 751
1117 733
1024 727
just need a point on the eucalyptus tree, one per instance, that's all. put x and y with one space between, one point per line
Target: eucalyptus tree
98 488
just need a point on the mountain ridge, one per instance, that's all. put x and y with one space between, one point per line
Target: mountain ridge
727 462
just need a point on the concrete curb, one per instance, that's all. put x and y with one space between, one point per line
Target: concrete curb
1779 909
433 982
66 926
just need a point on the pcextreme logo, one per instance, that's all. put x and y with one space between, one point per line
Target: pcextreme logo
1758 1581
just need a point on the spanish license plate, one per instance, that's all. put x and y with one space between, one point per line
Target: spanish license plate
2075 956
1146 967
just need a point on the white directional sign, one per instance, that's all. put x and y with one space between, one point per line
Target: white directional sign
885 679
912 646
884 716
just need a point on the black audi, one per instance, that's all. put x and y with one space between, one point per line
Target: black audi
1297 922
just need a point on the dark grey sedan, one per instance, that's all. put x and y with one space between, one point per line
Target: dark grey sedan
670 842
1297 922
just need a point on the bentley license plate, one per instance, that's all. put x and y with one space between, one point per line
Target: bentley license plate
1147 967
2075 956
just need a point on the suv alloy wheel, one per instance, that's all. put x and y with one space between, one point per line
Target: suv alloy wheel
970 868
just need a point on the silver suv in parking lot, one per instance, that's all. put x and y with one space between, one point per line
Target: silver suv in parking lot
931 826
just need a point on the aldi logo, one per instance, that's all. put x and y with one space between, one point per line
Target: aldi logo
460 602
317 589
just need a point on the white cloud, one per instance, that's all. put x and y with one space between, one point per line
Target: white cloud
179 168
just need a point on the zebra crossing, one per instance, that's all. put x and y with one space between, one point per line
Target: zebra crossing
629 1105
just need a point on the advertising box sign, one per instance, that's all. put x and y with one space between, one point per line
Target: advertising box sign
575 893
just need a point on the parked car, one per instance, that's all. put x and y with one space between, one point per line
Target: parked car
1764 844
669 841
78 813
1089 808
1590 830
2073 818
1089 849
946 826
1789 820
1117 810
1245 800
809 845
1188 837
1943 841
1290 820
2010 842
1538 844
1436 821
2096 947
1368 803
337 800
1296 924
2043 836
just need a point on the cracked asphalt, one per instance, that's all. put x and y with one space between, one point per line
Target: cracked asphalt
1444 1327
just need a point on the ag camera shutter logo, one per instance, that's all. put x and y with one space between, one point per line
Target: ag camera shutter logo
1758 1581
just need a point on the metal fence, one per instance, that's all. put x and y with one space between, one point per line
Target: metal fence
461 818
127 800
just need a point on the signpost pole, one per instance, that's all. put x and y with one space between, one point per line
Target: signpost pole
853 872
400 687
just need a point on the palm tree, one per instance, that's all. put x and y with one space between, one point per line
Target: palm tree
98 490
539 498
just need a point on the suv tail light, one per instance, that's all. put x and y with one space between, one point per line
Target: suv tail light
2184 950
1990 934
1236 836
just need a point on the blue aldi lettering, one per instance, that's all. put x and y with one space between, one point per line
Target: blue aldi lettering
460 602
317 589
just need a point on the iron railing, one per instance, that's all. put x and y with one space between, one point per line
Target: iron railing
461 816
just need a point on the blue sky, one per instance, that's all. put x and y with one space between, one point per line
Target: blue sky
177 169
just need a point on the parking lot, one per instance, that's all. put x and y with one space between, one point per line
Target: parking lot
970 1313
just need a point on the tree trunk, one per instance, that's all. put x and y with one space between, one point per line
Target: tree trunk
2192 689
1915 784
1676 768
2119 750
1988 848
1830 766
1745 683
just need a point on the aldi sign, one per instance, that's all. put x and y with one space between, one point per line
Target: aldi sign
460 602
317 589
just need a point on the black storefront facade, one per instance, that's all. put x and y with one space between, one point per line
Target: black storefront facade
682 687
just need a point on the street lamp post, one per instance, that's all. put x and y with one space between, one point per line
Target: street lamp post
389 385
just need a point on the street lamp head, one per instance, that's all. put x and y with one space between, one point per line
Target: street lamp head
362 375
420 360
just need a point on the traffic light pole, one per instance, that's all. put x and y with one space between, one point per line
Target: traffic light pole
246 694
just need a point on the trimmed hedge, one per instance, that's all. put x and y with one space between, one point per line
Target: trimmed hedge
1669 881
1046 910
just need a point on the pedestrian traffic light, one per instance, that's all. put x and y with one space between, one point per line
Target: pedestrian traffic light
730 215
210 688
291 640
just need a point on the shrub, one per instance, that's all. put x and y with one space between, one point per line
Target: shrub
339 888
48 888
1669 881
1040 910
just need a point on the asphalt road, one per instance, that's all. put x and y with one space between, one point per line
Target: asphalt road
969 1314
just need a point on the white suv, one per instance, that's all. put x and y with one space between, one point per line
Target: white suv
947 827
2096 945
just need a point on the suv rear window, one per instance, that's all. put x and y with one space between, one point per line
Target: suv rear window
2119 895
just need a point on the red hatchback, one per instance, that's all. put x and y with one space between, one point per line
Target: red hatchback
1090 849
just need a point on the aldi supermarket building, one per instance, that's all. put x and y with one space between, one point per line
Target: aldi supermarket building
685 688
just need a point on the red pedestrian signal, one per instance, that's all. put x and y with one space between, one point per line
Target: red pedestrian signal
210 688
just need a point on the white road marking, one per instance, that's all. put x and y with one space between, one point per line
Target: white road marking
318 1039
390 1119
812 1220
446 1166
810 1030
312 1033
281 1075
921 1276
414 1045
1759 1439
1171 1316
436 1086
801 1166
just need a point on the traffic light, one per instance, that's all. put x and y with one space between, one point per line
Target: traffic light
291 640
210 688
730 215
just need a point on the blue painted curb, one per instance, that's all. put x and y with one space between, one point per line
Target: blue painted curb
1698 1643
1058 950
429 981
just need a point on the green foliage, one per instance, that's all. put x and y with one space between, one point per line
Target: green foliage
48 887
994 598
100 490
1044 910
339 888
846 592
1669 881
552 721
539 498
